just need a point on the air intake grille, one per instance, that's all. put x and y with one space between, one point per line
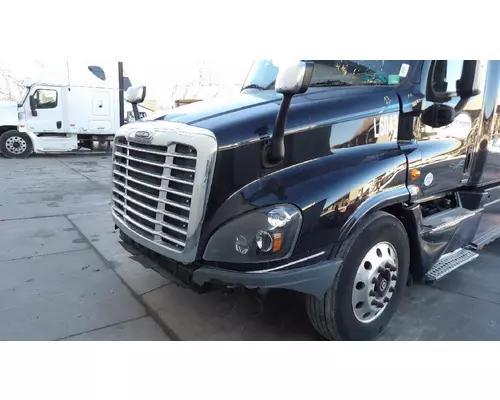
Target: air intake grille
153 189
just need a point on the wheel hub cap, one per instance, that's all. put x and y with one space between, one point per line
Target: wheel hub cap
16 145
375 282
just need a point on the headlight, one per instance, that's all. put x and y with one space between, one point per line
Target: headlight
268 234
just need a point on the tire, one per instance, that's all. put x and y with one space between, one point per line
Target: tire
14 144
343 313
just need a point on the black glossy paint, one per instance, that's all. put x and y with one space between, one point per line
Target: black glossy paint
485 168
333 163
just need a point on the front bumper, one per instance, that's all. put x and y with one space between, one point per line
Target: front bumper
313 279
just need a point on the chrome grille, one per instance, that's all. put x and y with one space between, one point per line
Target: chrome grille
153 190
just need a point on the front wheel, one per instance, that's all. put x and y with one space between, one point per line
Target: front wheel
14 144
369 286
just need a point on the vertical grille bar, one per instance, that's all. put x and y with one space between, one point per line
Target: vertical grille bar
126 186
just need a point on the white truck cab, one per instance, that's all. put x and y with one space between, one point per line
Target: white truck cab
65 112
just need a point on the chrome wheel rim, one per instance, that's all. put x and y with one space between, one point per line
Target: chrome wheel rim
16 145
375 282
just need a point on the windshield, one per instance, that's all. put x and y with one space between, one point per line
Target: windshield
263 73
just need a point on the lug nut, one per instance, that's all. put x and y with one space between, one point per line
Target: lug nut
374 280
394 278
392 289
381 270
386 299
372 293
380 304
374 303
393 269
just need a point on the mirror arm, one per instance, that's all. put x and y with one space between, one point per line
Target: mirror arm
135 109
275 150
461 105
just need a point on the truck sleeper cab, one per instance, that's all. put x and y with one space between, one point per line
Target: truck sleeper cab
340 179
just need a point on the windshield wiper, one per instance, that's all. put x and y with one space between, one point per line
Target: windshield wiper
253 86
331 83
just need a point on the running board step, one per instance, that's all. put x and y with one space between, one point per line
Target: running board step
450 262
486 237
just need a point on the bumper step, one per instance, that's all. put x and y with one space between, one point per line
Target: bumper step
485 238
449 263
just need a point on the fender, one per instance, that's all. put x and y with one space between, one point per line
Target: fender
395 195
33 137
333 192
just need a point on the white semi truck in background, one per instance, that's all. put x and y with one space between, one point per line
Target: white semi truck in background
58 114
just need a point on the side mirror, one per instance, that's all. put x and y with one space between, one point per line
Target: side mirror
449 79
33 106
452 78
468 86
135 95
294 78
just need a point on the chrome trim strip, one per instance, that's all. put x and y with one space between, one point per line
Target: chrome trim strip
146 229
148 196
160 153
288 265
123 155
149 174
149 219
148 207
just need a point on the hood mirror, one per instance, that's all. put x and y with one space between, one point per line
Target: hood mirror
292 79
135 95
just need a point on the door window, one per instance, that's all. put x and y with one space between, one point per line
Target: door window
45 99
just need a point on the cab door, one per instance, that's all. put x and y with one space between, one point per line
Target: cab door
446 152
46 110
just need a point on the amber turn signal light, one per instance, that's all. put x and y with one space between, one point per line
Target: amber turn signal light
415 174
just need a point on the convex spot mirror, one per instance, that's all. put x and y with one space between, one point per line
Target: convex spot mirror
135 95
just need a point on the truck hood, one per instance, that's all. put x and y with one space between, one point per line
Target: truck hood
249 117
8 113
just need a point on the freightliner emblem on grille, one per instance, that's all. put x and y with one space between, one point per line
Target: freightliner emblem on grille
142 136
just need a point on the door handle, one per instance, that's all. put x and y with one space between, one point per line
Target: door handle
59 124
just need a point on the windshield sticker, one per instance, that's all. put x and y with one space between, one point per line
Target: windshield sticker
393 80
404 70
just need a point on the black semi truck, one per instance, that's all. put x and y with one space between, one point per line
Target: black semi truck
344 180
